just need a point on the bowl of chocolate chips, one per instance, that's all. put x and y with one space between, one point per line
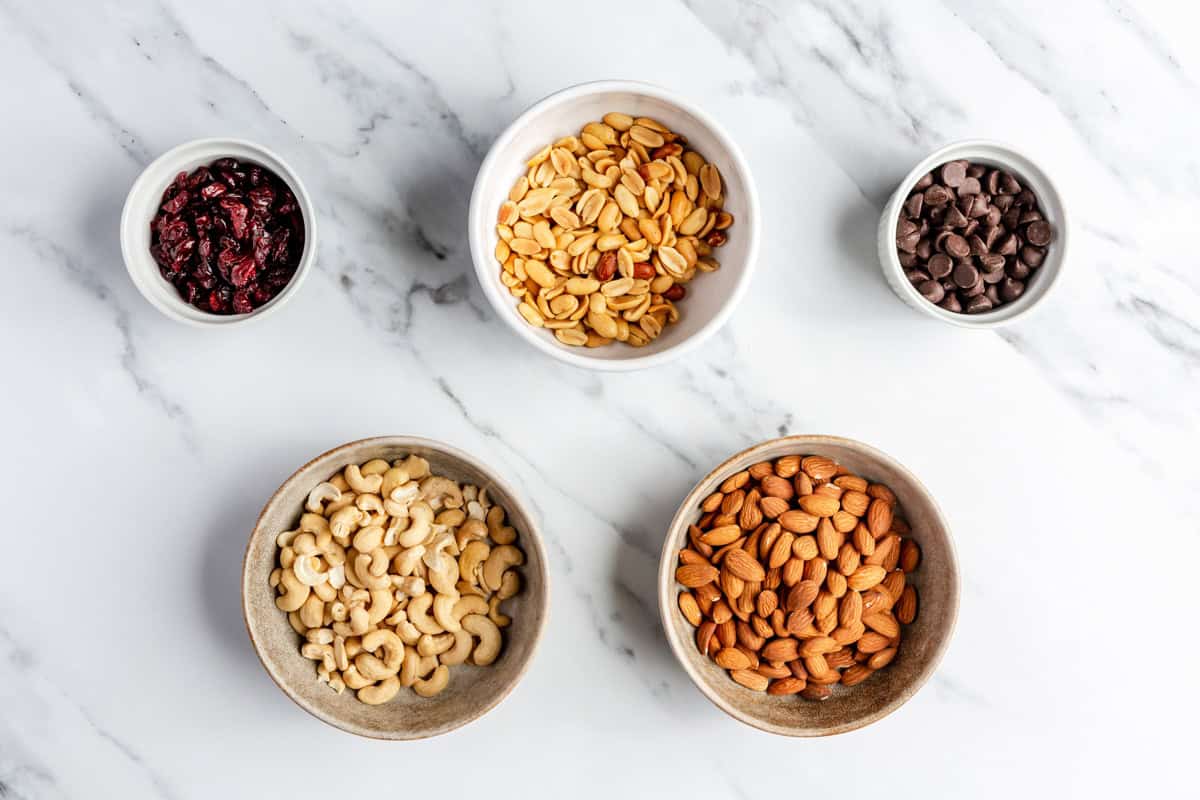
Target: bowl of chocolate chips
218 232
975 235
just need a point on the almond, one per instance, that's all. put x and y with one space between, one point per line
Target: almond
824 605
798 521
766 602
689 608
786 686
772 507
727 633
735 482
844 522
688 556
721 612
801 595
693 575
882 658
856 674
850 609
815 570
781 650
840 658
883 549
817 646
882 622
744 566
910 555
762 627
750 679
819 468
761 470
732 658
719 537
766 540
829 541
731 584
865 577
779 488
751 515
787 466
816 666
877 600
864 542
879 517
828 623
712 502
820 505
847 635
894 584
805 547
855 503
748 638
816 692
798 621
872 642
792 570
733 501
705 633
829 490
835 582
774 671
906 607
848 559
881 492
802 484
781 551
851 483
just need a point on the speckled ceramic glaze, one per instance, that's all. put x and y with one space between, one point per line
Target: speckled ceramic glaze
473 691
923 643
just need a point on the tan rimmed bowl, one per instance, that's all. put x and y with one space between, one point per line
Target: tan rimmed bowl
473 691
923 643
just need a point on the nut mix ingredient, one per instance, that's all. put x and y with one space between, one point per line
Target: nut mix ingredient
600 236
795 577
971 237
228 236
393 575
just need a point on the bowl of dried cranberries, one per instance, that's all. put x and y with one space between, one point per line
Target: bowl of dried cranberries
218 231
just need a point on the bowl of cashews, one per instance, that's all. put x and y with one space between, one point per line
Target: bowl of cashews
395 588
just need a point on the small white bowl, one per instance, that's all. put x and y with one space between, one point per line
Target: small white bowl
143 202
711 297
1049 202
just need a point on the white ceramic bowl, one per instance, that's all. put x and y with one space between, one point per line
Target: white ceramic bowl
1049 201
143 202
711 297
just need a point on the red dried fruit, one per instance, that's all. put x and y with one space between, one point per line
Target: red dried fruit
228 236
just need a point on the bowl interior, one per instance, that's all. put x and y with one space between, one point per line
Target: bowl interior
1049 202
936 581
563 115
472 690
145 198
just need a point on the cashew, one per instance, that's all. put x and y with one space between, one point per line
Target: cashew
353 679
337 574
500 533
406 563
380 693
298 626
305 544
418 614
372 667
364 570
381 605
446 579
320 636
494 614
416 467
408 632
360 620
334 506
501 559
368 539
510 585
379 564
408 670
376 466
353 646
286 556
334 553
308 570
338 611
441 492
273 581
294 592
337 684
426 665
369 503
313 523
318 652
393 478
475 510
343 523
470 604
470 563
429 645
363 484
312 613
408 587
461 649
443 611
466 587
451 517
340 656
428 688
319 494
489 638
420 525
285 539
338 482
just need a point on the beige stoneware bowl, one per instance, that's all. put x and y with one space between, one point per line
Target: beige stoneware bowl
924 641
473 691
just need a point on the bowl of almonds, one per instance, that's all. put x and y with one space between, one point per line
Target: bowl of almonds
808 585
395 588
614 225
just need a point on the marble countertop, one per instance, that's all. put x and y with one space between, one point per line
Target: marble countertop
138 451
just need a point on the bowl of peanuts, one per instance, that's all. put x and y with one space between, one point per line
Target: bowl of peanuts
614 225
809 585
395 588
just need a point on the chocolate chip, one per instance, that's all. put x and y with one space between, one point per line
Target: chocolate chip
976 171
1017 269
970 227
912 206
907 259
932 291
908 244
992 294
954 218
1029 215
1011 289
965 275
1026 199
1006 246
954 173
1003 202
937 195
975 290
1008 184
979 206
951 304
991 276
904 227
939 266
1033 256
916 276
924 248
969 186
1038 233
924 181
993 216
978 248
991 261
977 305
957 246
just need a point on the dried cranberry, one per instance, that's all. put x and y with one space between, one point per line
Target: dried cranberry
228 236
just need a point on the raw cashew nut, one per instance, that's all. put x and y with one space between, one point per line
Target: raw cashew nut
430 645
500 533
381 605
501 559
294 592
418 614
443 611
415 466
313 523
408 632
469 531
382 692
461 649
408 587
319 652
308 570
489 638
343 523
466 587
353 679
321 492
510 585
286 538
298 626
441 492
372 668
420 525
469 604
393 478
362 484
368 538
312 613
320 636
370 503
494 614
376 466
340 656
451 517
470 562
405 563
408 670
435 684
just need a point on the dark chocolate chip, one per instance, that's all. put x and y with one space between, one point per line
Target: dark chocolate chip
978 248
1038 233
904 227
1029 215
992 294
979 206
924 248
932 291
906 259
993 182
1033 256
912 206
954 173
954 218
970 227
1003 202
939 265
951 304
977 305
1006 246
1008 184
916 276
991 261
1017 269
908 244
957 246
924 181
993 216
991 276
976 171
1026 199
975 290
1011 289
965 275
937 195
969 186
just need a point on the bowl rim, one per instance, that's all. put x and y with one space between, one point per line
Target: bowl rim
484 261
533 535
666 585
1017 162
175 307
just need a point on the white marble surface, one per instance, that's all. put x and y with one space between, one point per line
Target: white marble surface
138 451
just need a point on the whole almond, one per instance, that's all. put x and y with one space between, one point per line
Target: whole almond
762 627
879 517
751 515
910 555
835 582
772 507
816 666
840 658
689 556
865 577
829 490
748 638
906 607
735 482
848 559
774 670
828 623
872 642
712 502
846 635
799 621
721 612
829 541
881 492
792 571
802 484
899 526
894 584
781 650
694 534
727 633
850 609
719 537
766 602
780 488
883 549
877 600
787 466
781 551
732 658
819 468
801 595
798 521
882 622
693 575
786 686
761 470
745 566
766 540
843 521
815 570
705 637
773 579
805 547
851 483
750 679
817 646
855 503
819 505
731 584
689 608
864 542
816 692
882 658
856 674
733 501
824 605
